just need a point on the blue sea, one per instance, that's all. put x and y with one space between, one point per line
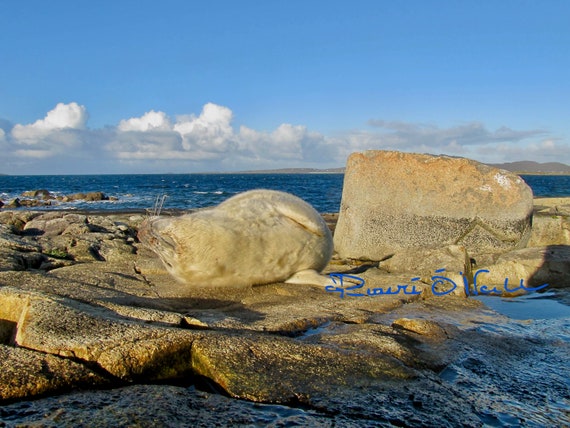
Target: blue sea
189 191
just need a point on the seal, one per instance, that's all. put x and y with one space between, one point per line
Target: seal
256 237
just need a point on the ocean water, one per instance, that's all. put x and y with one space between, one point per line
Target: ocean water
189 191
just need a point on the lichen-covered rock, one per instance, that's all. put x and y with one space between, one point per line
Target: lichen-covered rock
394 200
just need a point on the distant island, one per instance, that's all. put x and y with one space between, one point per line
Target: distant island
521 167
295 171
530 167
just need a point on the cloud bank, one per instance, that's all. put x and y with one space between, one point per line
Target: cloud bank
61 143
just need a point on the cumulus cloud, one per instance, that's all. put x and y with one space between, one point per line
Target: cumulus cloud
210 132
58 132
151 121
210 136
62 117
209 141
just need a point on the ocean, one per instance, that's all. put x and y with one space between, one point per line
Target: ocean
190 191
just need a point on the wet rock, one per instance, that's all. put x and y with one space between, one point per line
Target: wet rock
159 405
394 200
90 197
42 194
14 203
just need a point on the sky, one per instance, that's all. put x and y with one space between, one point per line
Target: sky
183 86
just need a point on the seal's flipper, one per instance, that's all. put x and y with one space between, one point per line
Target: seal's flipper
311 277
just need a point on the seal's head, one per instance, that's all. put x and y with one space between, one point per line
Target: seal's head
153 233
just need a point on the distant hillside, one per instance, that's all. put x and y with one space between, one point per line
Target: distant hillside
531 167
522 167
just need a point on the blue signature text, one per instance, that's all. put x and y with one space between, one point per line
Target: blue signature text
353 286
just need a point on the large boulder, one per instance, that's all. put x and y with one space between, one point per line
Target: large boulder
393 200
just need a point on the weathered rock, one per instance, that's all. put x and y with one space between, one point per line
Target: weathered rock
8 240
534 266
421 326
551 222
125 350
17 219
25 373
394 200
53 223
424 261
553 206
241 366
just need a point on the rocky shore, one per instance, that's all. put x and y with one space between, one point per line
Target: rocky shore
94 332
44 198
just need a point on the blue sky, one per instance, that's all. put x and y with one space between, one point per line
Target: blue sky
186 86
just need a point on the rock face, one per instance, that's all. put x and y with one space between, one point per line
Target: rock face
394 200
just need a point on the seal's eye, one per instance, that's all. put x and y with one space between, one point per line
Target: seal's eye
167 241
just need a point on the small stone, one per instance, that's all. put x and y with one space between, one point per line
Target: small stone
420 326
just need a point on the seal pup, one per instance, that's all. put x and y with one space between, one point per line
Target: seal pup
256 237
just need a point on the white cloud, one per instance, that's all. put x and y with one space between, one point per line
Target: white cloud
209 141
284 142
472 140
211 136
152 120
210 132
62 117
472 133
60 131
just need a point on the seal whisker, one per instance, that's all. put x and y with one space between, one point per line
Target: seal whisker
158 205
